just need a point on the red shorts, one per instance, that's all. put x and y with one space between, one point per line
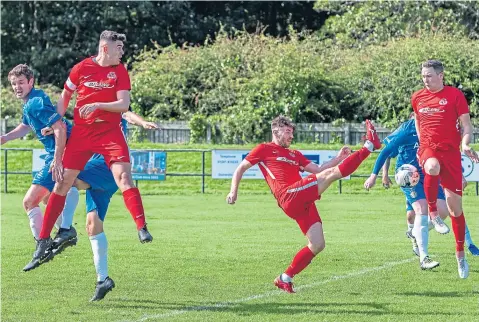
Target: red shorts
99 137
297 201
451 167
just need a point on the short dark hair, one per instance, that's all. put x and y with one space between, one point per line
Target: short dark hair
436 64
112 36
282 121
19 70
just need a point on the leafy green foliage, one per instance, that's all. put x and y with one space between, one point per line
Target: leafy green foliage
381 79
360 23
238 83
53 36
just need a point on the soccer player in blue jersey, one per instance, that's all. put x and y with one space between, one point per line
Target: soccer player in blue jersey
98 181
404 143
39 112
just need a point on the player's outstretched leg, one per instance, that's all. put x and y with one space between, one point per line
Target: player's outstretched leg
352 162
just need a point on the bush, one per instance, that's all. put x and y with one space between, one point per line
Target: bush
381 79
239 84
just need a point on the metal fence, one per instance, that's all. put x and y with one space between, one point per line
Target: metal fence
179 132
5 172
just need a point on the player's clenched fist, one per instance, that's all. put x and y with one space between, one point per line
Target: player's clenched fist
231 198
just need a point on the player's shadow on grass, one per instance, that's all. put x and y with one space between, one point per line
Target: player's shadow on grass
254 308
436 294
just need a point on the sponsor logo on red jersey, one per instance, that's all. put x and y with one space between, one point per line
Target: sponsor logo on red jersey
98 85
287 160
430 110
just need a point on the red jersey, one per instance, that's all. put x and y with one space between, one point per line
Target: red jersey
438 115
97 84
280 166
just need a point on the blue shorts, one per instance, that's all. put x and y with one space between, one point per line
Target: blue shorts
97 174
417 193
98 200
44 177
103 186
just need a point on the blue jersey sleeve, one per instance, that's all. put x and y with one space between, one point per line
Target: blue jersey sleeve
43 109
391 148
389 151
24 119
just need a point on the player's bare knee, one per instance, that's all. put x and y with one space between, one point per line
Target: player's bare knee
125 181
29 203
316 246
432 167
94 225
455 210
62 188
411 214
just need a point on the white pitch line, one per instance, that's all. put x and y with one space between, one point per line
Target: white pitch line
273 293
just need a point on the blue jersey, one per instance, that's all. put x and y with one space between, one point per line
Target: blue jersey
402 143
38 113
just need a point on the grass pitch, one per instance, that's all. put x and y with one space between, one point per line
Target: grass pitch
214 262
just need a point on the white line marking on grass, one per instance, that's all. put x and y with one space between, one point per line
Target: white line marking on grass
273 293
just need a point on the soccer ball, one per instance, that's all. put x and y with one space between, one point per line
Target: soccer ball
407 176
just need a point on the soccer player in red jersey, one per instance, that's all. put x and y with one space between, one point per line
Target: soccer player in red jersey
103 87
440 112
295 195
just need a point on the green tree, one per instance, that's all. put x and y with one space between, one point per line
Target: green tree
359 23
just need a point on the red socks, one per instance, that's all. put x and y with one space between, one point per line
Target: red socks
431 187
134 204
55 206
459 229
300 261
351 163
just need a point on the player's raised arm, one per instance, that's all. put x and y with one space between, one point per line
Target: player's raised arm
20 131
237 175
467 137
135 119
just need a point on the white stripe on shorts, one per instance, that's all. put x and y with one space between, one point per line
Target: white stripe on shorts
314 183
